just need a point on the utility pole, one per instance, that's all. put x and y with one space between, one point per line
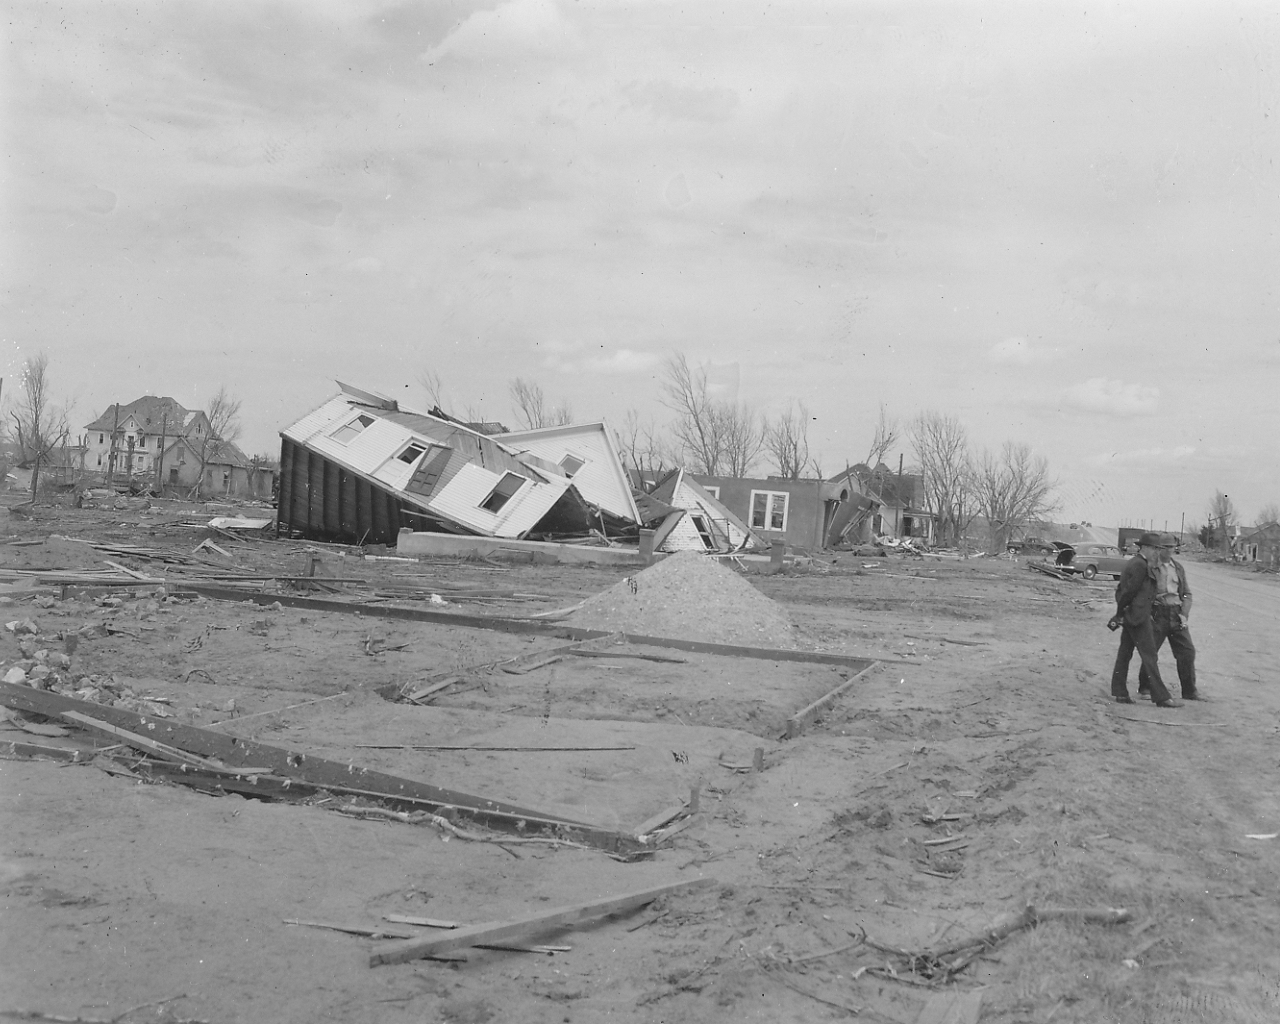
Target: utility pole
111 455
164 426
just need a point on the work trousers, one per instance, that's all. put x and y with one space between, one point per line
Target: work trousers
1184 651
1141 638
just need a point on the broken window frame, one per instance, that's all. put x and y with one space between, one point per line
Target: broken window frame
703 528
353 428
770 511
419 448
570 457
713 490
502 493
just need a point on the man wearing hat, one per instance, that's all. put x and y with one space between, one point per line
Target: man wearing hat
1135 597
1169 614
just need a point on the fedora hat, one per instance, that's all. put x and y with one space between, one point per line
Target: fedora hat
1150 540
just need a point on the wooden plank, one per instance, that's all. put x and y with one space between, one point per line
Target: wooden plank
233 751
661 818
806 716
549 920
16 748
952 1008
160 750
532 625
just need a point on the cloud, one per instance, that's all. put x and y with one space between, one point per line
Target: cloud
365 265
1113 397
517 29
1018 351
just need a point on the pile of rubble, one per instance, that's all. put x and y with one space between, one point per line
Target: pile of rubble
42 666
689 596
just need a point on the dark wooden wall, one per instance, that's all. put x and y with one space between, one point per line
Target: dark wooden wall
321 500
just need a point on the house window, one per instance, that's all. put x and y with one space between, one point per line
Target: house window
350 430
704 532
504 492
100 439
769 510
713 491
99 460
412 453
571 464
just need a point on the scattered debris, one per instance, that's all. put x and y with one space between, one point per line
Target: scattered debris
550 920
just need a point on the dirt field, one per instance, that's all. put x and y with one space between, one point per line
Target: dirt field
990 708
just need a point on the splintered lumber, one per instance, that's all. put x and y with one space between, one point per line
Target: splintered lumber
513 931
298 772
797 723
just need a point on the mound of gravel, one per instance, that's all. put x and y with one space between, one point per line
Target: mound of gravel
691 597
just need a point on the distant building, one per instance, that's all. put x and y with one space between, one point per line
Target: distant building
127 441
1259 544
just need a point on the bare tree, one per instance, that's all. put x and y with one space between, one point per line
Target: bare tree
743 432
717 437
643 446
1011 489
433 384
40 425
787 440
223 412
1269 513
941 447
1223 518
532 407
885 437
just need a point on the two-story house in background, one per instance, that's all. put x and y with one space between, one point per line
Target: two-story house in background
163 445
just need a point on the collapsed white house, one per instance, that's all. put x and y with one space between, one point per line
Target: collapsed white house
361 467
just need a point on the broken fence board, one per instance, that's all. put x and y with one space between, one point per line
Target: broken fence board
550 920
797 723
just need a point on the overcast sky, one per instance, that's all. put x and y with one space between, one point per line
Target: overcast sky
1056 222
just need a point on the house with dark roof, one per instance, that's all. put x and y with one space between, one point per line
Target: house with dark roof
130 442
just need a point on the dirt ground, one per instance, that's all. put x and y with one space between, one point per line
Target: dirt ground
136 902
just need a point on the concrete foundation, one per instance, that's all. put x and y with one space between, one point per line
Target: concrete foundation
450 545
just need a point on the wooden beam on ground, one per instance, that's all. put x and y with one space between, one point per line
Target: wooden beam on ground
534 626
233 753
548 920
805 717
160 750
16 748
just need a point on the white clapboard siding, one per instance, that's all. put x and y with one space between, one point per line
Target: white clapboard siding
602 480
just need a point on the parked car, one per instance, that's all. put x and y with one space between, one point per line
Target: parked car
1089 559
1031 546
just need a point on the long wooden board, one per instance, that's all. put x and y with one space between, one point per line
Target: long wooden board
506 625
236 753
549 920
797 723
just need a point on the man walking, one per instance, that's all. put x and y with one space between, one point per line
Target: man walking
1169 614
1135 597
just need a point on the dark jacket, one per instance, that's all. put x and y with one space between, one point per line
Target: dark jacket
1136 591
